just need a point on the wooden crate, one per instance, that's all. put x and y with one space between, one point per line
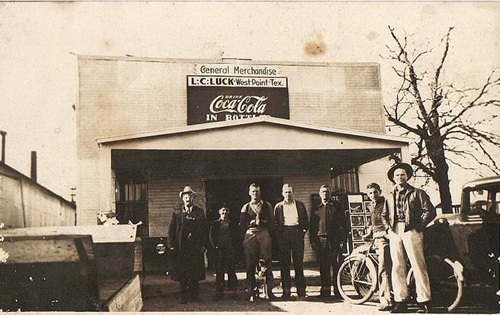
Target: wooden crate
112 249
48 273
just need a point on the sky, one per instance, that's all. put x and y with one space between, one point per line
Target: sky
39 43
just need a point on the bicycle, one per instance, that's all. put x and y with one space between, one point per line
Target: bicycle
357 275
357 278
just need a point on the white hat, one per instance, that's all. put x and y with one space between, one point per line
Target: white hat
186 190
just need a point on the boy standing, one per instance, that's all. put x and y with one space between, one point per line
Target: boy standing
377 231
222 234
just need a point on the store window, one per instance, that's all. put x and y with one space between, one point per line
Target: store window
132 199
346 182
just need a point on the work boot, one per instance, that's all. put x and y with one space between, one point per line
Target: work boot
301 292
325 293
384 307
337 295
400 307
286 296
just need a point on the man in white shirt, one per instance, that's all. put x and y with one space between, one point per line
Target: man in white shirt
291 225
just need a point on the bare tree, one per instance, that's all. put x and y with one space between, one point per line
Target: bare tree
450 124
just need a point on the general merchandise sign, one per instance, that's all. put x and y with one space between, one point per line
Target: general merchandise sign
230 92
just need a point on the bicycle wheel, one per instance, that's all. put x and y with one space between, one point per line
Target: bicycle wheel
357 279
447 285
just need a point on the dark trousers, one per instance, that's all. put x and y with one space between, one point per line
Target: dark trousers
225 263
190 288
189 278
257 245
291 244
329 259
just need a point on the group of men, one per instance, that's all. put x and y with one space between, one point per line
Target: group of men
398 222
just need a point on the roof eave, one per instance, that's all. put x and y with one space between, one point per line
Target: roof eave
248 121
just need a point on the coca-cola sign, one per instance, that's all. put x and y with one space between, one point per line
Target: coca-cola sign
238 104
212 99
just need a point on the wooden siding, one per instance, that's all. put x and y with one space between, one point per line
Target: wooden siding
303 187
24 203
375 171
11 202
164 196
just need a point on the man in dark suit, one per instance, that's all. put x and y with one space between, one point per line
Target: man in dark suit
187 238
291 225
327 231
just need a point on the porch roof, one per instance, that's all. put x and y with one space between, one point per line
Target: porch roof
260 133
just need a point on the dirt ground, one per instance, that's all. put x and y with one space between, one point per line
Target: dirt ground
160 294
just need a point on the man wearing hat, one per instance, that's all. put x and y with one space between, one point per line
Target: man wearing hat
187 237
408 212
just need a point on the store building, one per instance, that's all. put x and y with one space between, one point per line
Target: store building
147 127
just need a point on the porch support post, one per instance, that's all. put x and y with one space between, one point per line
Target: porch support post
405 154
106 184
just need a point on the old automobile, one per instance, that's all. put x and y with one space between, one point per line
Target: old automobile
462 249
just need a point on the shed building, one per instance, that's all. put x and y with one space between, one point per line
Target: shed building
26 203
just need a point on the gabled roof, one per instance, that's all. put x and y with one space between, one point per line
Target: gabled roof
266 130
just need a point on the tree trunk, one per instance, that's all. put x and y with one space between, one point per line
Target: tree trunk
444 194
443 180
436 153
